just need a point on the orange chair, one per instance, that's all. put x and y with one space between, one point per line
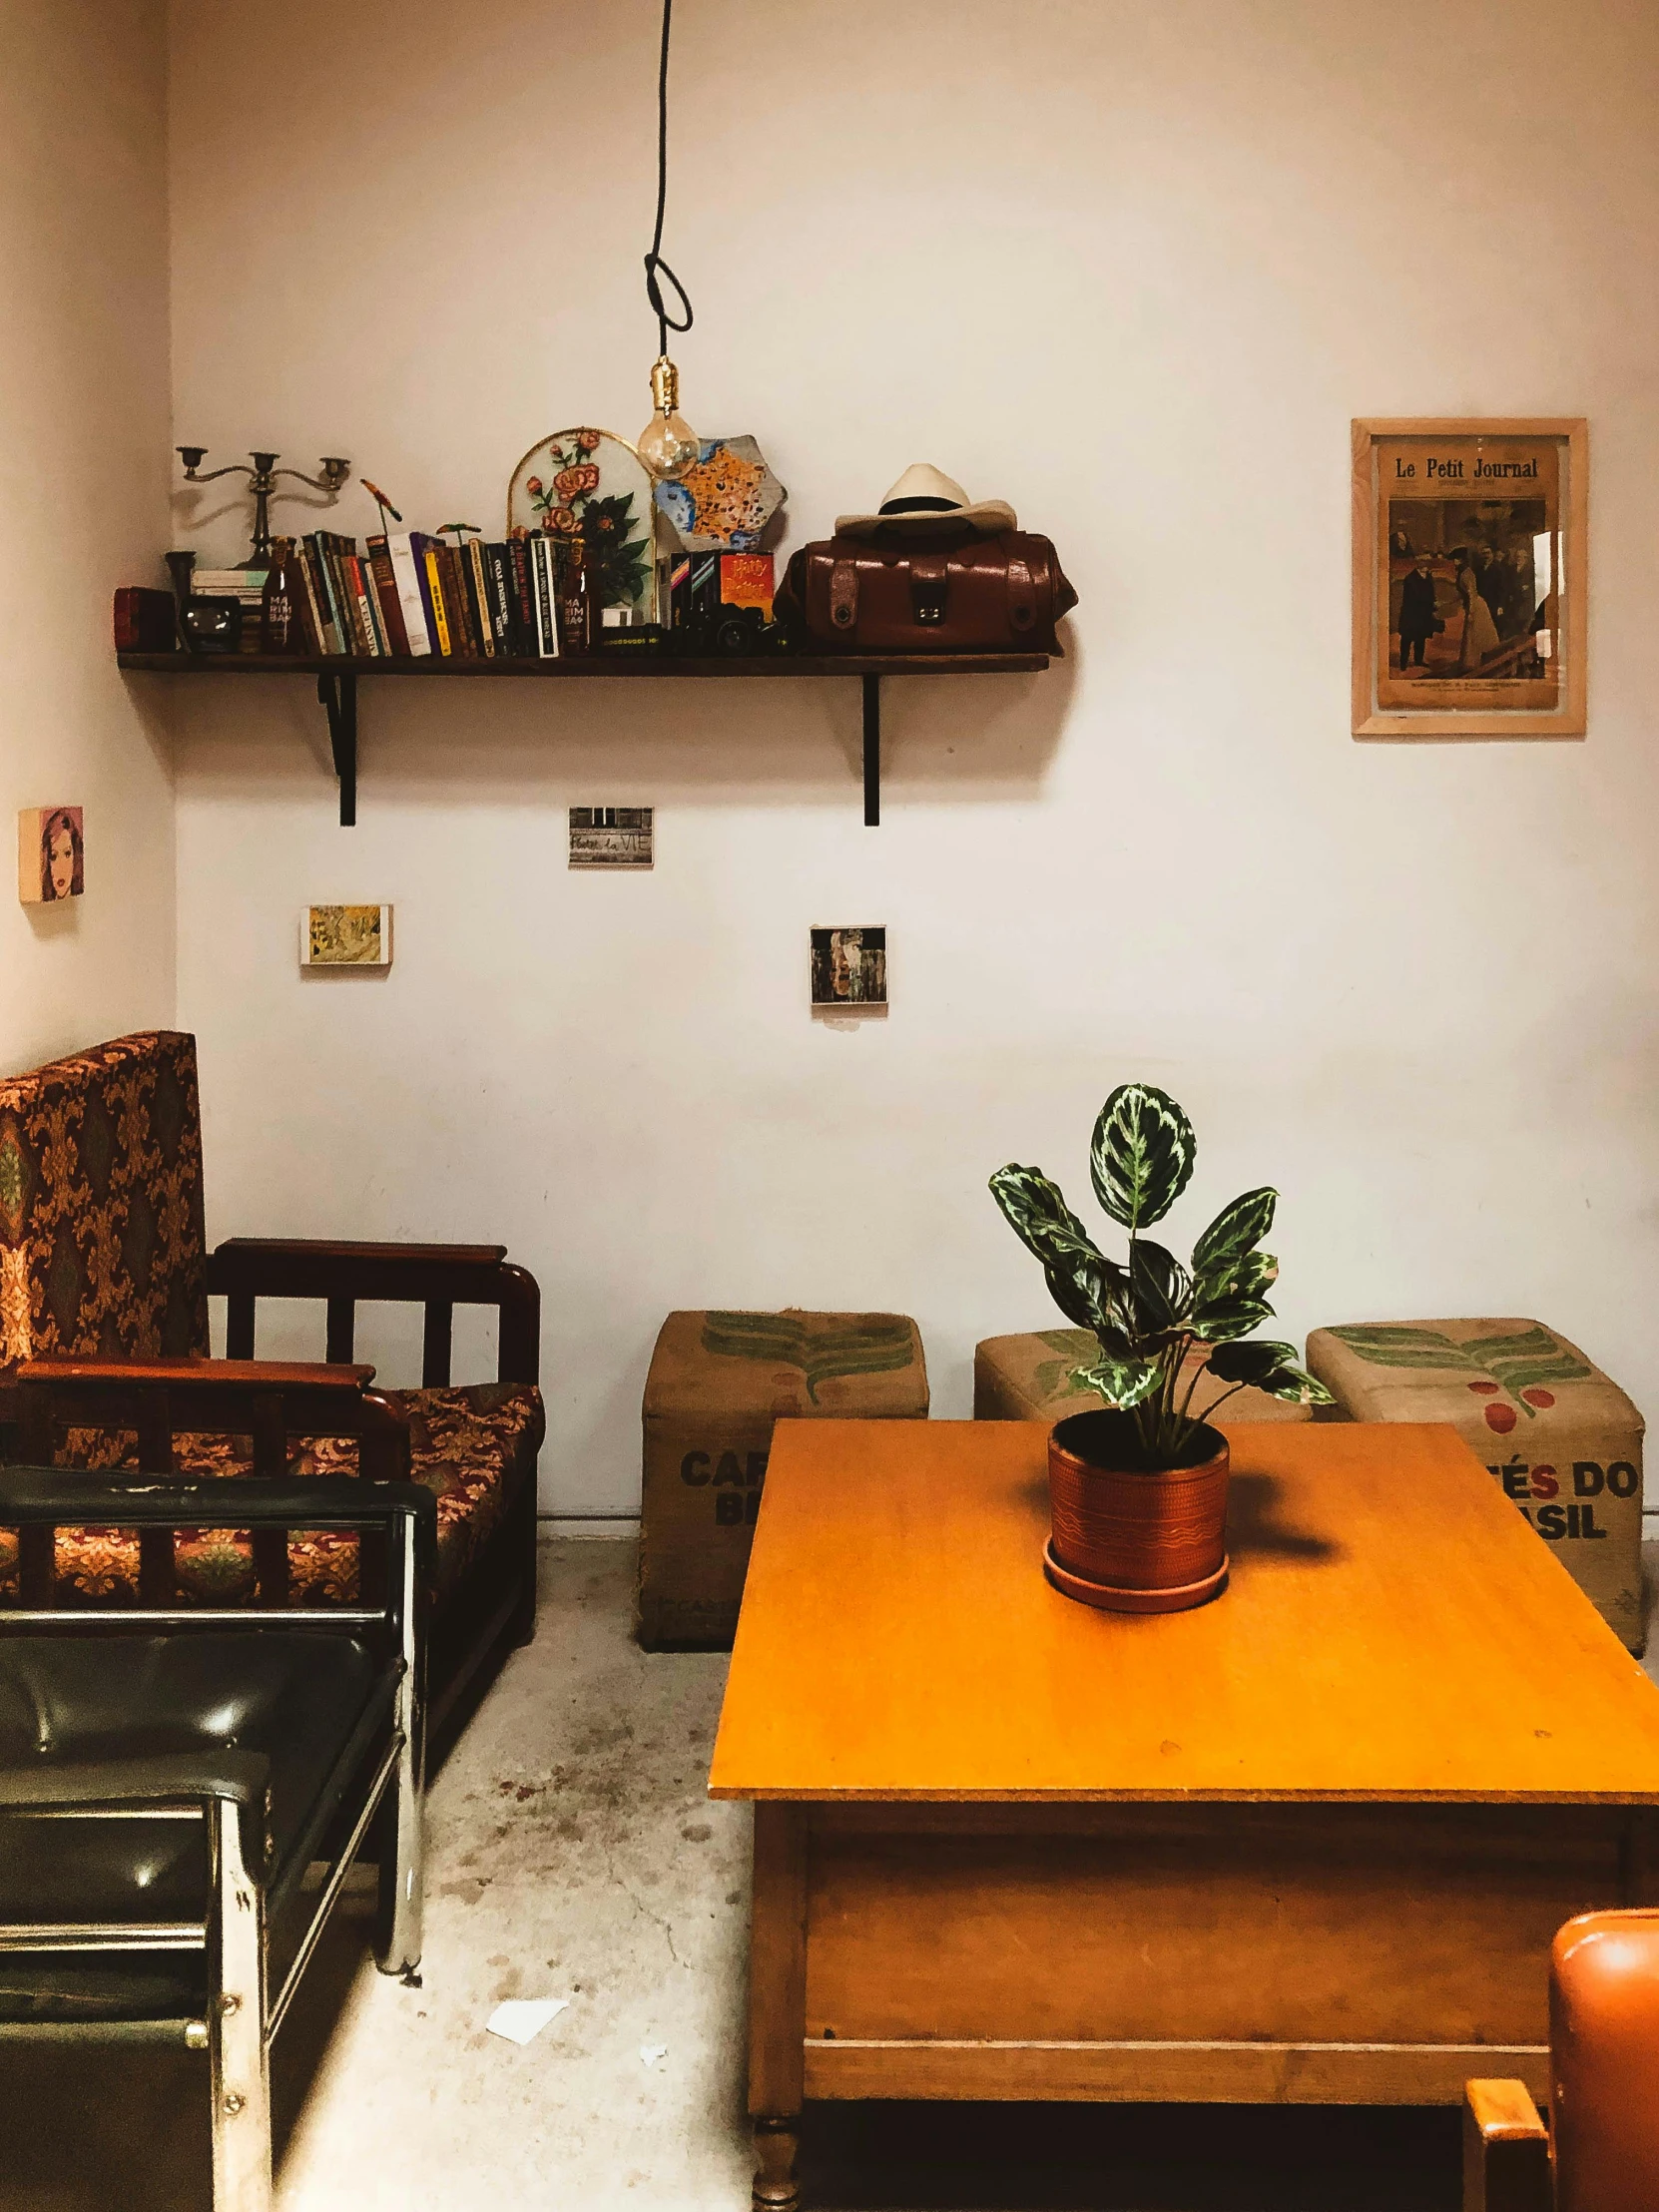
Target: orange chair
1600 2153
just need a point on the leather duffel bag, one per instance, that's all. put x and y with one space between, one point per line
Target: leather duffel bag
944 594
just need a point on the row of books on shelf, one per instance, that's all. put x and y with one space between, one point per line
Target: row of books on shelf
418 596
415 595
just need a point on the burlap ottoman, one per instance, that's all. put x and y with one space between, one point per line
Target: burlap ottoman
1028 1378
1561 1436
717 1384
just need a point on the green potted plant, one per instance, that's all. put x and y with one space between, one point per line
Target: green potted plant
1138 1488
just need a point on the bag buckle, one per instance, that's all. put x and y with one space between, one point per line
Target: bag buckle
929 588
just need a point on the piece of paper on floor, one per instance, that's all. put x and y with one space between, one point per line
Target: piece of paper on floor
651 2052
521 2019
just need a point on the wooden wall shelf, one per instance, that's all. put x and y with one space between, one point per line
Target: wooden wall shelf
337 685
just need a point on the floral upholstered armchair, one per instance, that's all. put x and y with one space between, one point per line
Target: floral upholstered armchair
104 1362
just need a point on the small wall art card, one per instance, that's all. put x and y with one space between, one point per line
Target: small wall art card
345 937
849 971
51 854
1471 566
611 836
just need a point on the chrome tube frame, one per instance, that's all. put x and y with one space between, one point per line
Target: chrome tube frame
402 1901
240 2028
331 1889
239 2074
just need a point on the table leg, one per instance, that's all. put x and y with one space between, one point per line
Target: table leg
777 2001
777 2146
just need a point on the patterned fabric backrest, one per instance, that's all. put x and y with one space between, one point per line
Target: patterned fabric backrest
102 1249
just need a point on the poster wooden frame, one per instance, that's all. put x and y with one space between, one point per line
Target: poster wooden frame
1439 724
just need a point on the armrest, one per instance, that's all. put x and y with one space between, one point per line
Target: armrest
301 1266
58 1496
187 1377
243 1777
1506 2149
234 1396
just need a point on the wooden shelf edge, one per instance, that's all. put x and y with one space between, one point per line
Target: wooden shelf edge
802 664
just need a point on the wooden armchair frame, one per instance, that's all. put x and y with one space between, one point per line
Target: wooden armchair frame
272 1400
1505 2151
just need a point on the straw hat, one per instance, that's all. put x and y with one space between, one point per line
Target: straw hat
925 499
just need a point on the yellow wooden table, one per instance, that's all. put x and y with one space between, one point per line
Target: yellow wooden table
1308 1843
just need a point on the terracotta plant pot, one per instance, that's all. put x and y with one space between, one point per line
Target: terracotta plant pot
1127 1538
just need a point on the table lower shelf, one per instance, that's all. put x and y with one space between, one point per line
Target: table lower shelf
1297 1952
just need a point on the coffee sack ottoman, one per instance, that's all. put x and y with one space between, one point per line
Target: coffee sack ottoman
1558 1435
717 1384
1029 1379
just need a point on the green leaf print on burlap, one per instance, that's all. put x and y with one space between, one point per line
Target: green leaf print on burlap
853 1343
1524 1361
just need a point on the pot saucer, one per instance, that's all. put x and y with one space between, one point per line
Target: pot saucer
1109 1600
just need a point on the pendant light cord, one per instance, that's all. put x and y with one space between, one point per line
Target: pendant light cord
656 268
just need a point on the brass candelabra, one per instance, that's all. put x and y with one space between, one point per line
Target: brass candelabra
262 479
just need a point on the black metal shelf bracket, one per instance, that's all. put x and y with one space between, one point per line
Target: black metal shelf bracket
338 695
872 751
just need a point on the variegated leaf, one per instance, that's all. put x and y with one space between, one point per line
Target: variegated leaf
1142 1155
1249 1275
1236 1229
1271 1367
1121 1383
1088 1288
1160 1289
1220 1320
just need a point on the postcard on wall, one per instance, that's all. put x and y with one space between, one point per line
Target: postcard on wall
51 854
345 937
611 836
849 971
1469 578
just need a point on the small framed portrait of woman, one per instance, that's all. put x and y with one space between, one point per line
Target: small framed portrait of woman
1471 578
51 854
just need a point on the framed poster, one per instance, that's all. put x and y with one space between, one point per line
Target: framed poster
849 971
345 937
612 836
51 854
1469 578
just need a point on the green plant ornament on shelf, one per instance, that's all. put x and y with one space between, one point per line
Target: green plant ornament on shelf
1118 1537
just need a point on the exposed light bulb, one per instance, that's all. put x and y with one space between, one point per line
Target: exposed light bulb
668 443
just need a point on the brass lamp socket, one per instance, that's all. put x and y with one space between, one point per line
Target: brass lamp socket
665 385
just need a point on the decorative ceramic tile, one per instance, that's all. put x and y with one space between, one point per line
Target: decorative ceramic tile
725 501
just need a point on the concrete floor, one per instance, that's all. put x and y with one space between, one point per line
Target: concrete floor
573 1853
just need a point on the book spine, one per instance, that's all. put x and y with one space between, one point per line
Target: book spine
377 620
468 586
461 639
318 568
547 614
501 602
305 612
386 598
339 590
524 605
434 591
362 615
478 573
411 603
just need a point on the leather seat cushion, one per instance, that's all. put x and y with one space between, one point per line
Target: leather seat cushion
296 1696
474 1447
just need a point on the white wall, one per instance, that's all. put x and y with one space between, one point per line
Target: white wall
83 507
1133 269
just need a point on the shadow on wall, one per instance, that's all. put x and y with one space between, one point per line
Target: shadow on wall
764 741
